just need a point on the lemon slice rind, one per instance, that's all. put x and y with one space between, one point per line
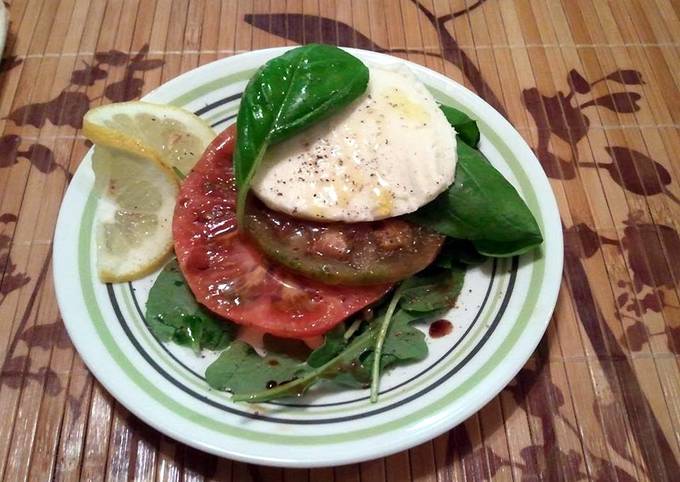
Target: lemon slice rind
169 134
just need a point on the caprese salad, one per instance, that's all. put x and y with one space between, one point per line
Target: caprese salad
339 210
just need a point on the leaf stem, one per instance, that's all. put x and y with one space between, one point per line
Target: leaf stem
241 205
352 328
244 187
382 334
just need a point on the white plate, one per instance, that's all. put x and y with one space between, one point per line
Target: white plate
502 313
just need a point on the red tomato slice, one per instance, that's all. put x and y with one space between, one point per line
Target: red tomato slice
231 277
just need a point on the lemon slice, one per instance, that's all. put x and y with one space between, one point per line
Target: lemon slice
171 135
138 145
134 213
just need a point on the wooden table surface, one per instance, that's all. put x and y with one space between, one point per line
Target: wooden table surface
592 85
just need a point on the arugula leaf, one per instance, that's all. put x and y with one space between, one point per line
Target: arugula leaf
348 364
288 94
334 343
466 128
172 313
241 370
482 206
335 365
403 342
289 347
355 375
417 297
433 292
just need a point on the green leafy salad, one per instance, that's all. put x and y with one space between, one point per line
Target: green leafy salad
337 215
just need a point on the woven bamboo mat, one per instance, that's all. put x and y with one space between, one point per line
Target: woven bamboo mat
592 85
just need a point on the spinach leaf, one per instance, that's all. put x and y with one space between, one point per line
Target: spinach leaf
173 314
482 206
288 94
466 128
240 369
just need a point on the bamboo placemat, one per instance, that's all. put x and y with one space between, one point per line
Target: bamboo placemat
592 85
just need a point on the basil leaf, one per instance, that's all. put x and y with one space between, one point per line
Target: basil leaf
240 369
173 314
466 128
288 94
457 251
482 206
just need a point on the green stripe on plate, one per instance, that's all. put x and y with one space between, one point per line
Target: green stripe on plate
211 86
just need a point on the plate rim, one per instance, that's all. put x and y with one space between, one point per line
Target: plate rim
547 202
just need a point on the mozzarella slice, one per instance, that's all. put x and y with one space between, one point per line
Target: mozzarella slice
388 153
